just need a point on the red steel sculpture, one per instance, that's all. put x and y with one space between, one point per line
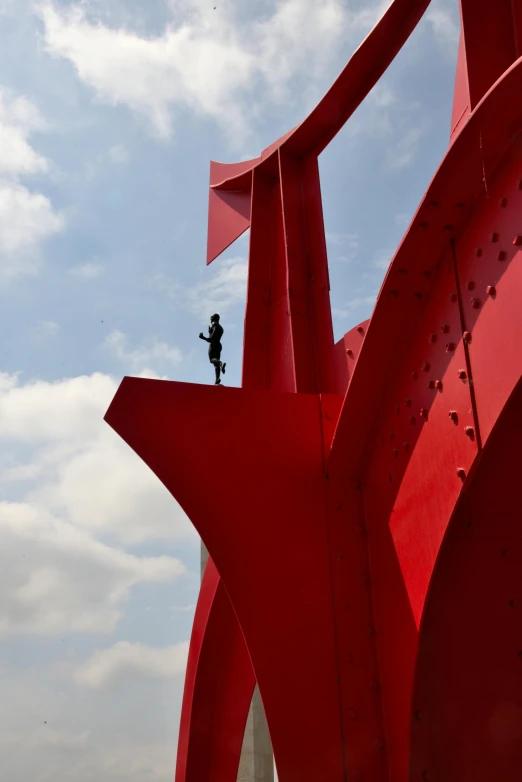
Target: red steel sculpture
366 550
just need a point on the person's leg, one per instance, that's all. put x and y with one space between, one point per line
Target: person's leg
217 369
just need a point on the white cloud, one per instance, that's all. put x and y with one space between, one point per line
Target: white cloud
57 578
222 288
118 154
65 461
124 662
403 153
87 271
148 355
445 25
204 61
45 330
18 118
26 219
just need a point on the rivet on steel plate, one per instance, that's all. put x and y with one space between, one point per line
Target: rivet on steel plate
396 453
450 347
461 473
475 303
415 374
394 293
418 295
449 227
453 415
349 353
502 256
360 329
471 285
445 328
426 274
453 297
398 409
413 420
438 384
480 252
431 384
491 290
406 447
433 338
513 603
470 431
392 436
426 366
503 202
494 237
423 226
423 412
466 336
517 241
407 402
462 374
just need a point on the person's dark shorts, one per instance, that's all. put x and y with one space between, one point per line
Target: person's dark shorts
214 351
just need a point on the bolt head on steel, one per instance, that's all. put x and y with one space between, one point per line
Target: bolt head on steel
471 285
438 384
423 412
360 329
491 290
445 328
450 347
494 237
461 473
475 303
466 336
469 431
453 415
426 366
462 374
517 241
453 297
502 256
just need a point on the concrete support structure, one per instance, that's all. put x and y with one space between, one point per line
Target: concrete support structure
257 758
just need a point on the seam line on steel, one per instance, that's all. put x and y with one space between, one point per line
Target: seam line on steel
332 592
466 347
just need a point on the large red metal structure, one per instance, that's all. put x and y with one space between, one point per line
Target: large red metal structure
366 550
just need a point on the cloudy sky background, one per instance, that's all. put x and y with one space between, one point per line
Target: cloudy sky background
109 114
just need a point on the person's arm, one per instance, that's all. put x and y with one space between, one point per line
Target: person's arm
213 337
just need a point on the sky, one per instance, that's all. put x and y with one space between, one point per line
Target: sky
109 115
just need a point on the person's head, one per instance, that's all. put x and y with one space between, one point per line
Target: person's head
214 318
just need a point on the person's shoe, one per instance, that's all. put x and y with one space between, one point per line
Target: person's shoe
217 383
223 368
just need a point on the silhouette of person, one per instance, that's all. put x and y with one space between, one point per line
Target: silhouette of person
215 332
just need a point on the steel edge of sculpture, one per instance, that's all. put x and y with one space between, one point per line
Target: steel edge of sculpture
366 493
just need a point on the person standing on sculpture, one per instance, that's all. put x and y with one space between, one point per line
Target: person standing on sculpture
215 332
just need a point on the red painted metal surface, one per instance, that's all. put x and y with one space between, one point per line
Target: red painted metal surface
366 548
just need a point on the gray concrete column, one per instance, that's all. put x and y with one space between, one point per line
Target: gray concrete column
257 760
